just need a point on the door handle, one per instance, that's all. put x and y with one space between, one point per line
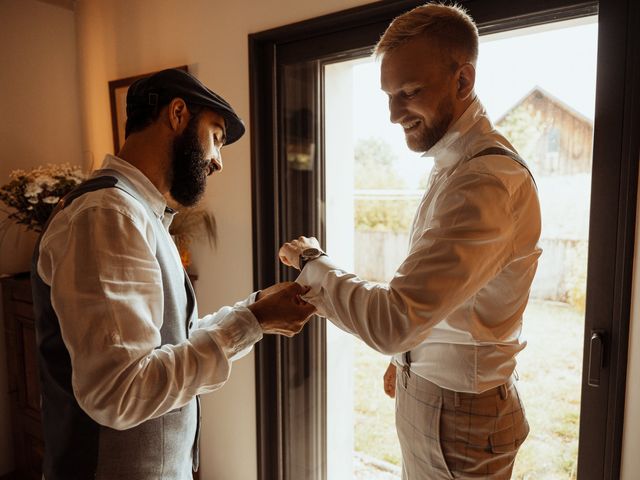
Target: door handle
596 356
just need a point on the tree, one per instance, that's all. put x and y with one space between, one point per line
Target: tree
375 166
375 169
385 215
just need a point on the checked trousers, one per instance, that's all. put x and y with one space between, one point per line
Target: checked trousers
446 435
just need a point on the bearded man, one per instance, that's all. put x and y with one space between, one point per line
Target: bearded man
123 354
452 315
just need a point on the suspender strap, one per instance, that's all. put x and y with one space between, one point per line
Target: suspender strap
407 358
507 153
96 183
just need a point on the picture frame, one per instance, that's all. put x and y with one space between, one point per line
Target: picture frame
118 101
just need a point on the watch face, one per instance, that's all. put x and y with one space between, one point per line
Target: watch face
311 252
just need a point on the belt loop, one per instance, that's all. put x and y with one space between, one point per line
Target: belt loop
456 399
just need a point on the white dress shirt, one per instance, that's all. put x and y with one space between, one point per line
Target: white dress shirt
106 289
456 302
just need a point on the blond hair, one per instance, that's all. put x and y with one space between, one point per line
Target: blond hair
448 25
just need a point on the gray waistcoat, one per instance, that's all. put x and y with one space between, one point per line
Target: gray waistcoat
75 446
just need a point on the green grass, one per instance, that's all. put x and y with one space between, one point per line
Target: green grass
550 381
375 432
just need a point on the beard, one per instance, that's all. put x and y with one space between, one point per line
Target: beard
428 136
189 166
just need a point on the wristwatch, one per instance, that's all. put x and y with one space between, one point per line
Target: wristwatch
309 254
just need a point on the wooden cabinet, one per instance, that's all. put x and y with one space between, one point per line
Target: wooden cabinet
24 389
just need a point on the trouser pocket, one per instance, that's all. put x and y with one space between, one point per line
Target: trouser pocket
482 435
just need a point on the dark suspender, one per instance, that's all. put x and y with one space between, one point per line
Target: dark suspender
96 183
507 153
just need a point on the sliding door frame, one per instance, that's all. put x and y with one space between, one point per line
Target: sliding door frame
612 226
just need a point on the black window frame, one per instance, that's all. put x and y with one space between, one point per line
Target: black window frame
613 197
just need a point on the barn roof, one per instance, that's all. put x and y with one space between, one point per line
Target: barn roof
537 90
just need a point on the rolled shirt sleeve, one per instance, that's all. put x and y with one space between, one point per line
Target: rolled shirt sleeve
107 293
236 327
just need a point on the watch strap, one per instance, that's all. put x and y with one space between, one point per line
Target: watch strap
303 261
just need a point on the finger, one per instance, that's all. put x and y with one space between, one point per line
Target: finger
284 260
288 248
299 289
299 300
309 310
294 329
282 253
303 312
290 290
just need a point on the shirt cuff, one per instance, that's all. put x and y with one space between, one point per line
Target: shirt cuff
247 301
237 332
251 299
313 275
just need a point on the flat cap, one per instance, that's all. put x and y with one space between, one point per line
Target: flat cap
162 87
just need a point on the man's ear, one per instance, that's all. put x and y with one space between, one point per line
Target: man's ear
465 81
178 114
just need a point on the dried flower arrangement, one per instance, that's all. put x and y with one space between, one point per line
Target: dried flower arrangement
34 194
191 224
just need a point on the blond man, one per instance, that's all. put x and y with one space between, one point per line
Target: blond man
452 315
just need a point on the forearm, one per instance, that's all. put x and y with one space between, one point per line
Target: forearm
465 244
375 313
436 278
139 383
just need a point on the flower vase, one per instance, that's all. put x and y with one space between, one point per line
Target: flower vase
16 248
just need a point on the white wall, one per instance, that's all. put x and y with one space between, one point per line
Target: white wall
40 124
120 38
40 101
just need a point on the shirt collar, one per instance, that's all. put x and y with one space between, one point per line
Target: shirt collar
141 183
447 150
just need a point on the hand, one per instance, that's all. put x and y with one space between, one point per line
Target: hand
283 312
390 381
275 288
290 252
